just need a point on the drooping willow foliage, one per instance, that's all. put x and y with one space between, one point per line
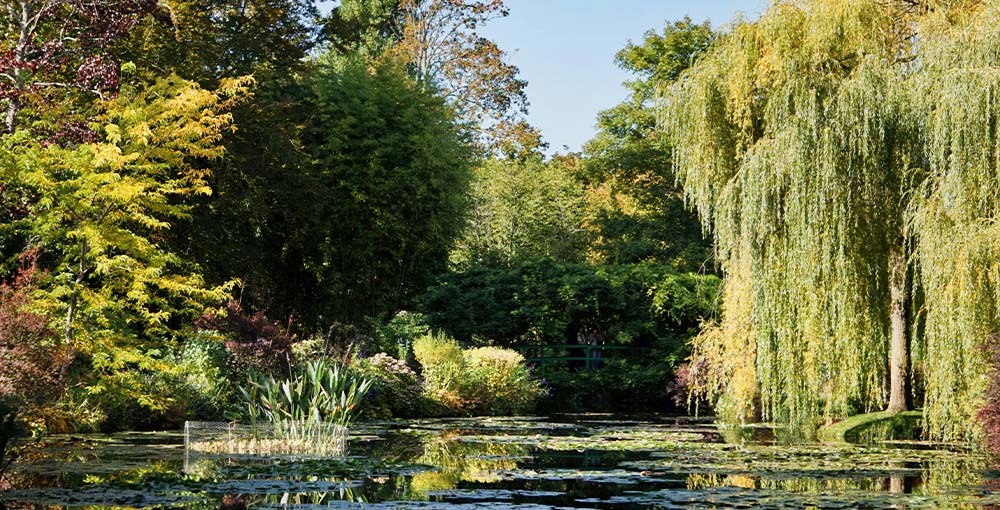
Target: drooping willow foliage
830 147
955 211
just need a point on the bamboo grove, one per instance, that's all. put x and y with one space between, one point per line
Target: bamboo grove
845 156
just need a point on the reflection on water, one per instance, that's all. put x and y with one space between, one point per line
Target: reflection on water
589 461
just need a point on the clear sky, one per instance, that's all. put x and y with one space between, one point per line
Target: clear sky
565 50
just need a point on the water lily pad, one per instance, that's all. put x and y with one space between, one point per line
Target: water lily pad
580 461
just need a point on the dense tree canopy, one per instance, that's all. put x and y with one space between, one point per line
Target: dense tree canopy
439 41
637 208
522 210
389 173
205 40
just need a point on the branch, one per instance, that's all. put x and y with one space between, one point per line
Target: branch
62 85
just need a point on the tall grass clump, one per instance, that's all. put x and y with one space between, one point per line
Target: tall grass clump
320 392
306 413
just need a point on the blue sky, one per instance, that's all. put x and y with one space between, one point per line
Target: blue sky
565 50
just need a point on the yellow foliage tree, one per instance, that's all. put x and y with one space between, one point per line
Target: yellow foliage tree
101 213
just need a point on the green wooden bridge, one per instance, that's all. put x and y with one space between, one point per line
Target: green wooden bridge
592 355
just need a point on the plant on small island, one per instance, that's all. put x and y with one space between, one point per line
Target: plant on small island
305 414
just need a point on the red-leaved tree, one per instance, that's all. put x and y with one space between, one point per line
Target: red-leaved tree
30 358
55 48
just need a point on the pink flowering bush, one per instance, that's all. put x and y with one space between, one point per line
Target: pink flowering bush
396 390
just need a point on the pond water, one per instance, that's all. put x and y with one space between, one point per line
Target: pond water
580 461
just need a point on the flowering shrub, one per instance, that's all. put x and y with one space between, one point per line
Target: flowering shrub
679 388
396 390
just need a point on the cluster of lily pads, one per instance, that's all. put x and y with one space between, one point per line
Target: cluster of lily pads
516 464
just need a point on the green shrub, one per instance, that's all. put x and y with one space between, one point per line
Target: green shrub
187 382
148 389
442 365
487 380
398 334
205 389
501 381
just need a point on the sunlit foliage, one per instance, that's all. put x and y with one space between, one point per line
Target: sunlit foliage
842 154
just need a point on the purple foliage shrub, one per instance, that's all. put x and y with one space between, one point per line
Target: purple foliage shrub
252 341
989 413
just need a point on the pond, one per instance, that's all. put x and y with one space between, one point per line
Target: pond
579 461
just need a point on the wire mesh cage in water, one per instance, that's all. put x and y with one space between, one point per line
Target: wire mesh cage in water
304 438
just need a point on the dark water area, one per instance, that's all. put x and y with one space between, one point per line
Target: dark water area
575 461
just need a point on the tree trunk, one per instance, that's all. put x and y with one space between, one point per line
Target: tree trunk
24 37
899 289
71 308
11 118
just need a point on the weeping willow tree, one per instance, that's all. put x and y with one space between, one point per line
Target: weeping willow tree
844 155
956 211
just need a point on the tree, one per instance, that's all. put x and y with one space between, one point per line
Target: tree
836 148
522 210
387 184
244 229
954 211
637 208
102 210
801 171
439 42
261 202
207 40
52 49
362 27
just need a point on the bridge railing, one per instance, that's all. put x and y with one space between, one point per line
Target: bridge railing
592 355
